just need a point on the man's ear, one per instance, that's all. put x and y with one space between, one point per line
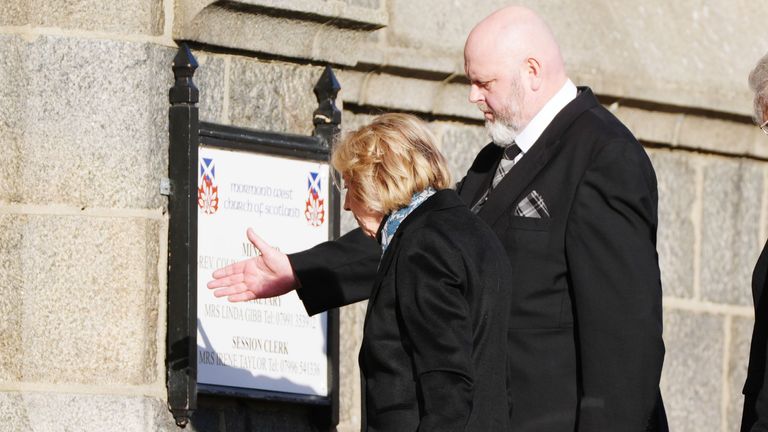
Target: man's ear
534 73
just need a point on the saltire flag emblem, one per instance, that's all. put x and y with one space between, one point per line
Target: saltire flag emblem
315 208
208 191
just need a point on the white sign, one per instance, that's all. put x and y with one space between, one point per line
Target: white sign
268 344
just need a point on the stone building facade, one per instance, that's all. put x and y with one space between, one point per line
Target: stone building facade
84 139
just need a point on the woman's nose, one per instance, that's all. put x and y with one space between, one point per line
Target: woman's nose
346 202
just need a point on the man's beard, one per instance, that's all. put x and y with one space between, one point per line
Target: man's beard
507 123
502 134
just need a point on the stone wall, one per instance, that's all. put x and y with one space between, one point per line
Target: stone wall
84 136
83 127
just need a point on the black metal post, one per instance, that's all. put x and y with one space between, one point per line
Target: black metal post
182 239
327 121
327 117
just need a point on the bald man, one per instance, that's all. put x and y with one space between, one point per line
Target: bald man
576 211
572 196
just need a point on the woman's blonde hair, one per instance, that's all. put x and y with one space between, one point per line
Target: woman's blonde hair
389 160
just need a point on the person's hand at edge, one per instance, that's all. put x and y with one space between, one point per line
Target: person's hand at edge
268 275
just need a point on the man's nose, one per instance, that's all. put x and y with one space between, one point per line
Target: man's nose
475 95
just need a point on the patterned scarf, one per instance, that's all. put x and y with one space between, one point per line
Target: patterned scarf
396 218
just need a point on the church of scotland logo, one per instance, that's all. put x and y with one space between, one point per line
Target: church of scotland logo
315 208
208 190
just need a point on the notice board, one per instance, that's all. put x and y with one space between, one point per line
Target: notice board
265 344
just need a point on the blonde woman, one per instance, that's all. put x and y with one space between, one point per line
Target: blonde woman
433 356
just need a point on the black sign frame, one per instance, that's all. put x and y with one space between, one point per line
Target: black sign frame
187 133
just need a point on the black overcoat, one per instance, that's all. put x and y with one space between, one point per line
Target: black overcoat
433 355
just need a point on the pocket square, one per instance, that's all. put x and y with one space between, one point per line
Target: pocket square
532 206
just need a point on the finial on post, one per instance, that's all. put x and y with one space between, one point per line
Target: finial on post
327 117
184 66
181 418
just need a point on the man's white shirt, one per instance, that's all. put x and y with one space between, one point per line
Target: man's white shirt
531 133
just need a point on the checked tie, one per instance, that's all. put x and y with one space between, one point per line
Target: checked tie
505 164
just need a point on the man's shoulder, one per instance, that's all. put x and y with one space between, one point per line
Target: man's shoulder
601 123
599 141
597 129
585 117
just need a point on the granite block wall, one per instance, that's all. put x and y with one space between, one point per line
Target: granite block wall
83 132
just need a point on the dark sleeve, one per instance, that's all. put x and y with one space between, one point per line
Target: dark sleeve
430 286
761 397
761 401
755 416
611 250
336 273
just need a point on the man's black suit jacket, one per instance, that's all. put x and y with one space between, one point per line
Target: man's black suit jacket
433 356
755 416
585 345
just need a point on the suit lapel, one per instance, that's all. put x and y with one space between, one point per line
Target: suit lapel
384 264
508 192
480 174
